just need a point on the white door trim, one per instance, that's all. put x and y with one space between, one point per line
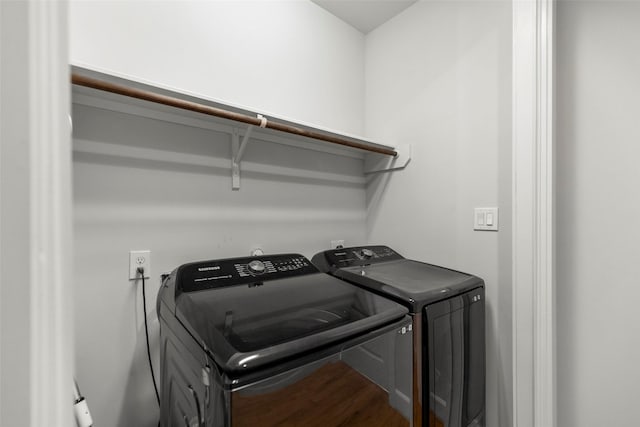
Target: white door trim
50 197
36 217
534 390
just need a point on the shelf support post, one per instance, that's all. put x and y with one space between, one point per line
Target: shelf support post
243 144
237 150
235 165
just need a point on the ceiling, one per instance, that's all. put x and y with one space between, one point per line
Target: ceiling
364 15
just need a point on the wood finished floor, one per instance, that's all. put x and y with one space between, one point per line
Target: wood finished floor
334 395
435 421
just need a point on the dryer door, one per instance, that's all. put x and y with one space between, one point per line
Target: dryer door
455 356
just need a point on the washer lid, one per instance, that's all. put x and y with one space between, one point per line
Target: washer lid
276 313
413 283
382 270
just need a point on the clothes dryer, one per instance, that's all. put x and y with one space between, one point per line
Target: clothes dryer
448 326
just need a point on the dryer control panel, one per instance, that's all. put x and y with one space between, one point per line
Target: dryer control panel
358 255
238 271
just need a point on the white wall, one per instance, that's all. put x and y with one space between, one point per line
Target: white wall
438 76
15 249
597 281
181 213
289 57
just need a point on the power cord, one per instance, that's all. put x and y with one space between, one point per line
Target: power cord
146 331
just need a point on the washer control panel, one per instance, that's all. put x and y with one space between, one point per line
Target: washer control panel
360 255
237 271
257 267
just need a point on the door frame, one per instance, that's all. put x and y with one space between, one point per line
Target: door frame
36 335
533 267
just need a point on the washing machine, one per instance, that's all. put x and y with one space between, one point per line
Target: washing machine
448 327
271 341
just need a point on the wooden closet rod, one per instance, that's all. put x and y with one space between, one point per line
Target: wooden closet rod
80 80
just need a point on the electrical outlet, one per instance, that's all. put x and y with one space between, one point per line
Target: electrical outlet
257 251
139 259
337 244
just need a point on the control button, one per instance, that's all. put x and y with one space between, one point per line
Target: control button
256 267
367 253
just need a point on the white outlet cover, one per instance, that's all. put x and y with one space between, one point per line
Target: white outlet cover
256 251
337 244
139 259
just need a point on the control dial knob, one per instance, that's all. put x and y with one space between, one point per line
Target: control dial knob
367 253
257 267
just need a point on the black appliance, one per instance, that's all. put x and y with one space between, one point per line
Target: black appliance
271 341
447 308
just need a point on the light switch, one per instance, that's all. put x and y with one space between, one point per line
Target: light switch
489 221
485 219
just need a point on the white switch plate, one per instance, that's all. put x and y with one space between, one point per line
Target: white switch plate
139 259
485 219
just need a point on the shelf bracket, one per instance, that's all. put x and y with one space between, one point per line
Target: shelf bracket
243 145
237 150
235 165
374 163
